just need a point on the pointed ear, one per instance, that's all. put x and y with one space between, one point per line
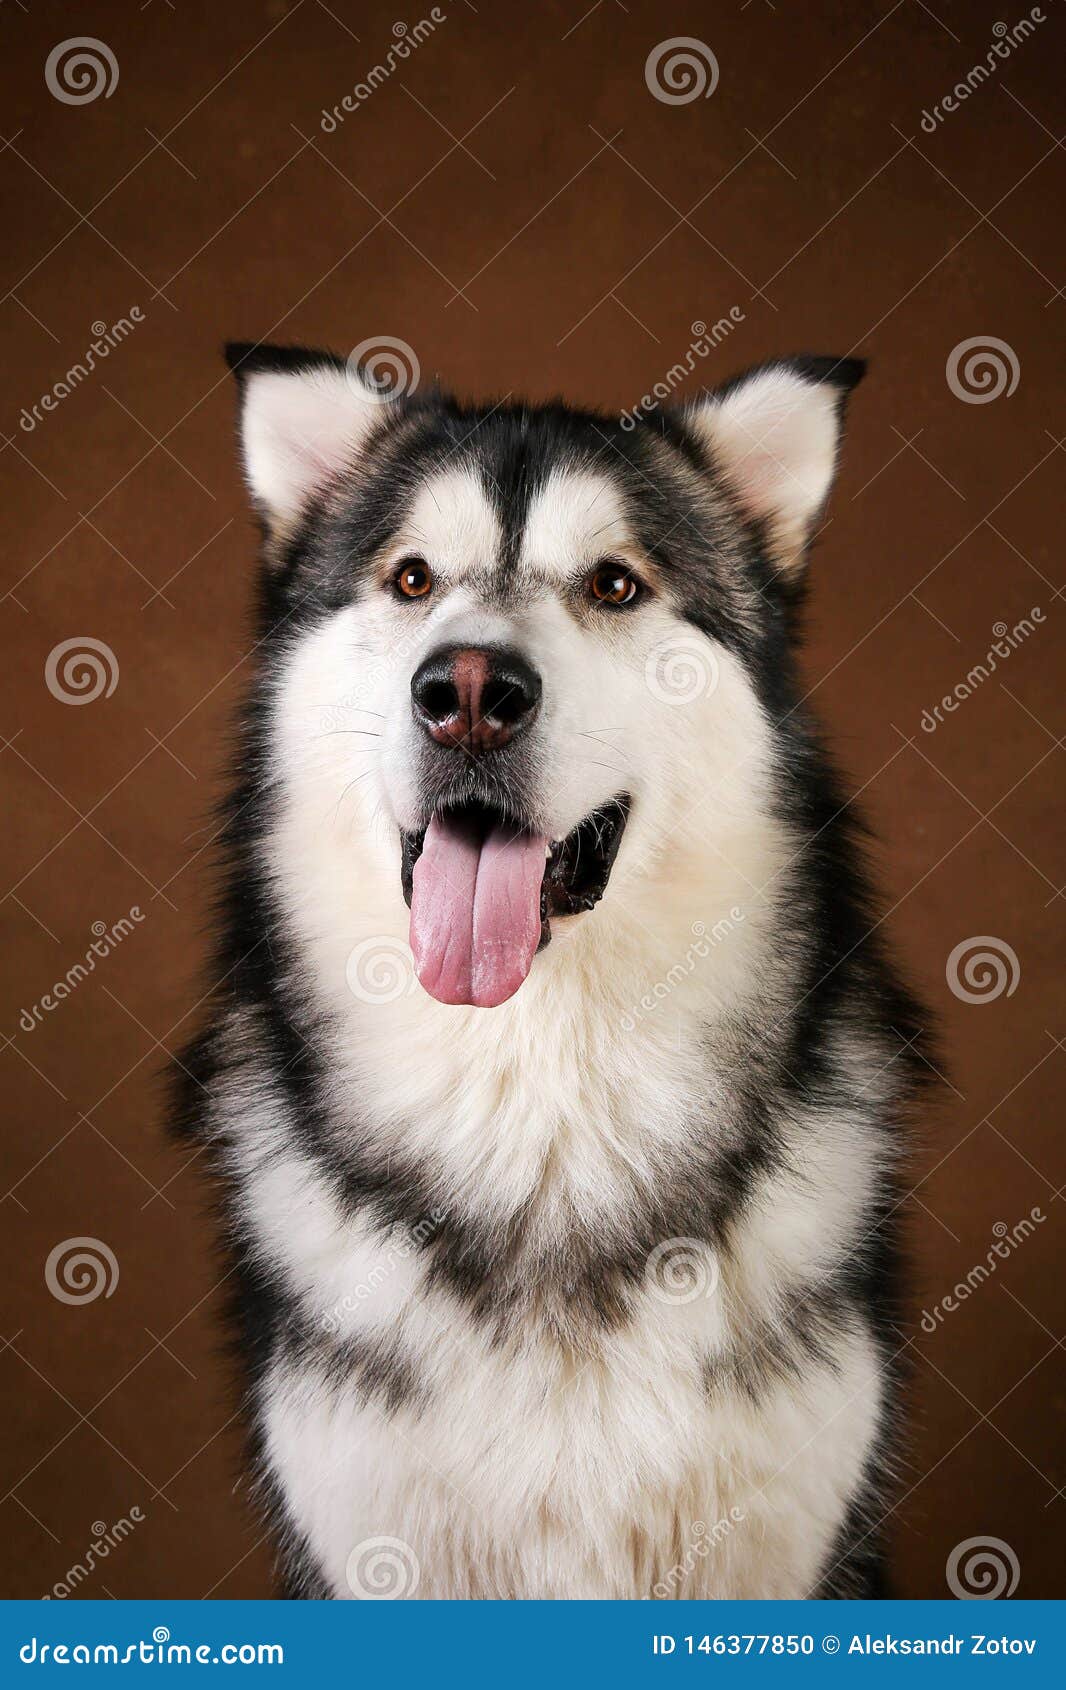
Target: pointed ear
304 416
773 435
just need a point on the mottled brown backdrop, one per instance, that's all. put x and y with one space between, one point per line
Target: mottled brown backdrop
516 203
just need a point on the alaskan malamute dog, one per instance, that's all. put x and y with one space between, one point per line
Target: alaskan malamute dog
556 1079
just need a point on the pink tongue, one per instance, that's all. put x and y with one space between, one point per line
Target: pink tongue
475 912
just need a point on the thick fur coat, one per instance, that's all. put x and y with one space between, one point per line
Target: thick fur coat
589 1293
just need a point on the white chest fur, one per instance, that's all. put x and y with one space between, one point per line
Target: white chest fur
531 1467
529 1472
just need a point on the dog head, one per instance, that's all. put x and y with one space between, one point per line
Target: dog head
536 651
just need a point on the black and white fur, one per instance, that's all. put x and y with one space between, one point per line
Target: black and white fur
446 1222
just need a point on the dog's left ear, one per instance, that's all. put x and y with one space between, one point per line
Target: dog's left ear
305 417
773 435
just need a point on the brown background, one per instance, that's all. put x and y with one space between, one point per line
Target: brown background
519 156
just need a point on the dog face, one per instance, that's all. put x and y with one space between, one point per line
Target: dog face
539 651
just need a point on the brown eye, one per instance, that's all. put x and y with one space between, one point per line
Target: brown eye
413 580
613 585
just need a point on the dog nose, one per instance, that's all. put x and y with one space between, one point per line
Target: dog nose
475 697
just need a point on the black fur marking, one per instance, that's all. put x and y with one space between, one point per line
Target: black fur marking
377 1367
248 358
801 1335
299 1578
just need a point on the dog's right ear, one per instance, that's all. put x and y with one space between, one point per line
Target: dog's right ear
773 435
304 416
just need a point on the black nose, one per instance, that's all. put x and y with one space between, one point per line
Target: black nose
475 697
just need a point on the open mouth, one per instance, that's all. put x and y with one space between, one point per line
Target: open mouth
482 891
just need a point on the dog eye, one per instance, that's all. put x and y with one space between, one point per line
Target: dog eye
413 579
612 584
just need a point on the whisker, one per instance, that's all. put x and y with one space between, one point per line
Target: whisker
359 709
347 789
368 733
